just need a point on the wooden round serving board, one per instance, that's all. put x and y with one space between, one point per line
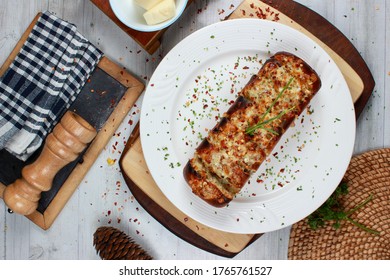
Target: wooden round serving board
133 165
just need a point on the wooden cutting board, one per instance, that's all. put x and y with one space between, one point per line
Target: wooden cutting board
111 92
134 168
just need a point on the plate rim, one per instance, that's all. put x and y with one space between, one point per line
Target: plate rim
242 21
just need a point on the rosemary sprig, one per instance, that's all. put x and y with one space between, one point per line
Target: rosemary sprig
261 124
332 210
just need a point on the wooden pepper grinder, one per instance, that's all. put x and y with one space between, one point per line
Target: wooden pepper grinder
63 145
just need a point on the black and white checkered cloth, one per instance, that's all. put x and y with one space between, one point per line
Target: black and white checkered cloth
42 82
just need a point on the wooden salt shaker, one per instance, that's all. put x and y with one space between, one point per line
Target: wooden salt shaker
63 145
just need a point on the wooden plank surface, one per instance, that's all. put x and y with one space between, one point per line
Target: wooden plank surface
103 190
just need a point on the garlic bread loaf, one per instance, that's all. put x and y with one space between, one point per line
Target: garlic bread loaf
247 133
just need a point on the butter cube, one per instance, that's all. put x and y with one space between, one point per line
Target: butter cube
161 12
147 4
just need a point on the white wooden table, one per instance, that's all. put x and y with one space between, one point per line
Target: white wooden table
103 198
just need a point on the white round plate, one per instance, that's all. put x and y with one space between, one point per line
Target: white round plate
130 14
199 79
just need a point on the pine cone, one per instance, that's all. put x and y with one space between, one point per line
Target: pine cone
113 244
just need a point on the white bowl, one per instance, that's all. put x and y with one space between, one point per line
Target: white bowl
130 14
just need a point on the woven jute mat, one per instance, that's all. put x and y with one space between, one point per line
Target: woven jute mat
368 173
